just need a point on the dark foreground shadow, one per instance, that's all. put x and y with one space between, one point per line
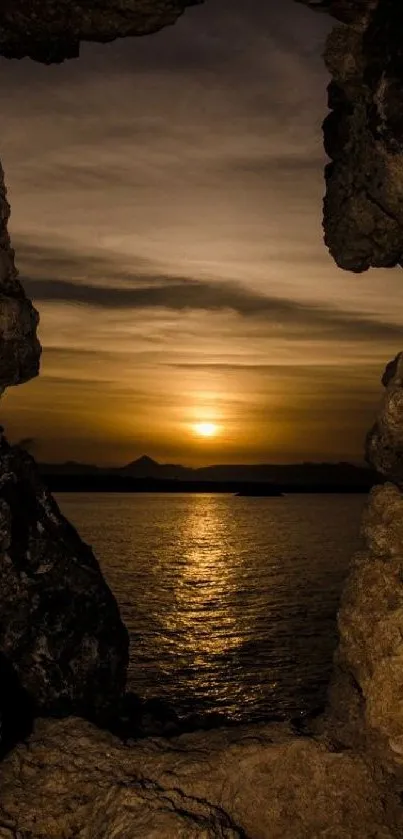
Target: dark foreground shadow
17 709
137 718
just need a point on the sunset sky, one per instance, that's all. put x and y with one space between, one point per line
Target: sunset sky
166 214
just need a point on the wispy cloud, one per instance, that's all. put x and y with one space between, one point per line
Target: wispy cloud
106 284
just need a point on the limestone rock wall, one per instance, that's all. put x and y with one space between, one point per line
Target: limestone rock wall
19 345
363 134
366 696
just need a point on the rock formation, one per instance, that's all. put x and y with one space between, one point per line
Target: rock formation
51 30
255 782
366 693
363 211
19 346
384 444
60 627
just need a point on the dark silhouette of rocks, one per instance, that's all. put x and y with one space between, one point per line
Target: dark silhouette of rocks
20 348
136 718
17 708
60 627
51 30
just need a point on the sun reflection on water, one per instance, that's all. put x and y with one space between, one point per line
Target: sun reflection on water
205 583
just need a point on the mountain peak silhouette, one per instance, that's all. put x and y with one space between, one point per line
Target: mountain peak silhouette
144 460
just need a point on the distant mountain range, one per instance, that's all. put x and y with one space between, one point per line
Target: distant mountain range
147 474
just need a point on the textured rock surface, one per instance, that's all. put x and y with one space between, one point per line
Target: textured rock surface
72 780
366 696
382 522
371 648
384 444
19 346
59 624
363 216
51 30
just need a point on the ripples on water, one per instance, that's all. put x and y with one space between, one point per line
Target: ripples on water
230 602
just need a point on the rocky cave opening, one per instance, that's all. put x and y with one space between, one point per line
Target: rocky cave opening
60 630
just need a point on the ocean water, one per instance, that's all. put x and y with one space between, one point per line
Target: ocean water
230 602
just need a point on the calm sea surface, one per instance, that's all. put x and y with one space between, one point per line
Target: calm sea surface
230 602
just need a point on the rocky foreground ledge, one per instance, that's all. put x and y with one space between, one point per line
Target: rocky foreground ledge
74 780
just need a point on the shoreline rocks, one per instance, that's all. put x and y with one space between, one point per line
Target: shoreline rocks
60 627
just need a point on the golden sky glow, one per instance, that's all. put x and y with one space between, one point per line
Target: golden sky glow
205 429
166 213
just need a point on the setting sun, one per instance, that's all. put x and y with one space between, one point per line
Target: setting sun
205 429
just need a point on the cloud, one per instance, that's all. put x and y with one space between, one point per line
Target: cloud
40 261
108 285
